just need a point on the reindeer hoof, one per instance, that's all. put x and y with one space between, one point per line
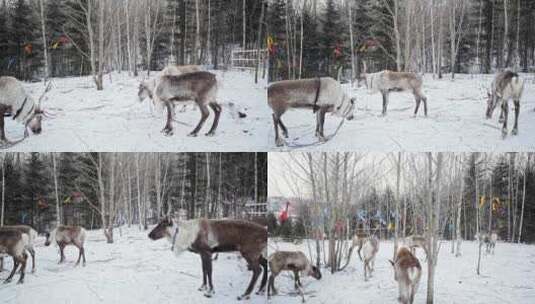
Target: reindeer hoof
7 281
210 133
279 142
20 282
192 134
244 297
260 292
322 139
504 133
202 288
167 131
209 293
514 132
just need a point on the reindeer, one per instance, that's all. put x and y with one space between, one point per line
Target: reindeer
370 249
68 235
206 237
358 240
489 240
506 85
198 86
14 243
15 102
322 95
32 236
294 261
415 240
389 81
407 272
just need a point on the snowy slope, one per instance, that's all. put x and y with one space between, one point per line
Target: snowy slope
506 277
133 270
456 121
114 119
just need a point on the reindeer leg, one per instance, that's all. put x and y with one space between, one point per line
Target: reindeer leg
168 129
505 112
32 253
22 267
278 141
264 264
2 131
208 260
15 266
418 100
83 255
217 111
1 264
62 255
204 115
322 123
517 112
385 102
79 255
255 267
271 286
425 104
204 276
283 127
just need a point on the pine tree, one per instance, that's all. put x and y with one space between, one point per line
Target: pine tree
37 188
26 40
55 22
4 39
332 39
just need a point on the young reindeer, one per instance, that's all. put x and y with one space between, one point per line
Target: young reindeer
32 236
407 272
294 261
15 102
388 81
13 242
198 86
68 235
370 249
206 237
322 95
505 86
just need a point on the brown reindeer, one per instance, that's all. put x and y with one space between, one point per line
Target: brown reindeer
68 235
321 95
506 85
198 86
206 237
389 81
32 235
294 261
370 249
407 272
14 243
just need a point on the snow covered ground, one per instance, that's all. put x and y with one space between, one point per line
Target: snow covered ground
133 270
114 120
456 121
506 277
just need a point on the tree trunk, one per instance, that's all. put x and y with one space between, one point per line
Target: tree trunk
54 172
43 32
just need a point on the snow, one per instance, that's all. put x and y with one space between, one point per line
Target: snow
506 277
134 269
114 119
456 121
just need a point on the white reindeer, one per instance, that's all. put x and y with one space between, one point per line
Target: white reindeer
369 251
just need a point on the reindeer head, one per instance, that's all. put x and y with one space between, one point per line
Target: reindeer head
315 272
145 90
47 242
34 123
345 108
163 229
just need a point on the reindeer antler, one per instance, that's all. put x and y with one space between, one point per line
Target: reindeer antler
47 89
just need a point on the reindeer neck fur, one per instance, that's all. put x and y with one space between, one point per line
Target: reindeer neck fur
188 232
